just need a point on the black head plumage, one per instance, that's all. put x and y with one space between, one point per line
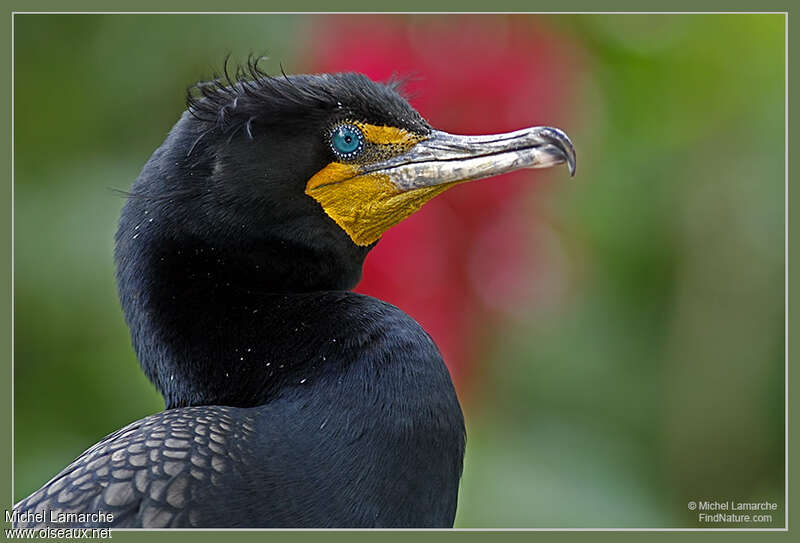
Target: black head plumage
249 99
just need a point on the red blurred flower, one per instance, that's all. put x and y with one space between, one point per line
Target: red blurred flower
469 74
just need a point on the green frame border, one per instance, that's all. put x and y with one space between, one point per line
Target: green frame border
6 229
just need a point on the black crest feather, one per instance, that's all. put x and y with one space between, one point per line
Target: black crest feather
239 99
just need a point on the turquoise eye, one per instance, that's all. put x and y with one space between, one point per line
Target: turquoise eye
347 140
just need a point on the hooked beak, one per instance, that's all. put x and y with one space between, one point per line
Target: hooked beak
446 158
365 200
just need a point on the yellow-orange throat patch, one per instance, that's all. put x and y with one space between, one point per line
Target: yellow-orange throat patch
365 206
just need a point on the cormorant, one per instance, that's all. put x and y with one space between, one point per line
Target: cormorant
290 400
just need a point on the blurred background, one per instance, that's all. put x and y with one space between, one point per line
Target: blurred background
617 340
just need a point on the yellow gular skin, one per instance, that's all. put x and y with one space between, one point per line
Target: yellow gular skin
366 205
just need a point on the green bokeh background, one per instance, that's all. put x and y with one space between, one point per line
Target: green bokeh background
657 379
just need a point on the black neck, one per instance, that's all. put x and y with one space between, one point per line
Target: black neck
232 325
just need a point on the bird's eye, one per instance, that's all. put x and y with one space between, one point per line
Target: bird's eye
347 141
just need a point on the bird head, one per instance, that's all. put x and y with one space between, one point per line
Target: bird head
316 165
